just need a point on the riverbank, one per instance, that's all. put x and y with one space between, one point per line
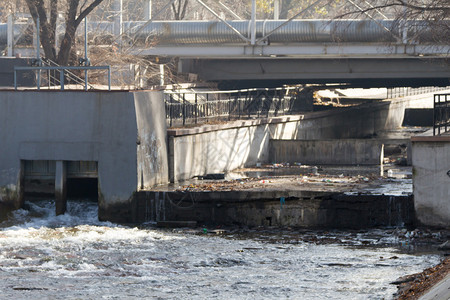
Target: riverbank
420 285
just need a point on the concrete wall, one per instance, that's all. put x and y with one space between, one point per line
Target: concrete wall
151 140
219 148
275 208
217 151
431 179
328 152
123 131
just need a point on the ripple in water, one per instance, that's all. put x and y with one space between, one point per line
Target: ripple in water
75 256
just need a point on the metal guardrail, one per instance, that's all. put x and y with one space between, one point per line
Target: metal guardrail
69 76
441 113
202 106
62 70
409 91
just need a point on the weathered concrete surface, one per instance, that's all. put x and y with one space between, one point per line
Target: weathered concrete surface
431 179
440 291
328 152
123 131
275 208
217 151
223 147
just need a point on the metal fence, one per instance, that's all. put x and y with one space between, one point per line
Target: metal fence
192 107
441 113
409 91
63 73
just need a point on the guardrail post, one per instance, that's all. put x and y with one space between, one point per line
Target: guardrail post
229 107
109 78
446 111
239 104
170 110
207 112
434 115
61 78
196 108
15 79
184 109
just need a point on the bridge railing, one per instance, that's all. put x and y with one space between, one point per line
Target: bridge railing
441 113
192 107
396 92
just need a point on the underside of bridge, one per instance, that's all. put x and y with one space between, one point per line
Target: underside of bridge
356 72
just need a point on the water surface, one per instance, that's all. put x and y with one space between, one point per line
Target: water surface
75 256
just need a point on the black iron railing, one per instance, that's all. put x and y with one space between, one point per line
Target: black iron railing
441 113
192 107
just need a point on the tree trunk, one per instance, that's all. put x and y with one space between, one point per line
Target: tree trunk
66 46
48 37
46 32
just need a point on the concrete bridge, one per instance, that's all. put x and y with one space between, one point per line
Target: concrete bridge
267 53
275 52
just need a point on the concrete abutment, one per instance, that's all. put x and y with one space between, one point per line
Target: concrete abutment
122 134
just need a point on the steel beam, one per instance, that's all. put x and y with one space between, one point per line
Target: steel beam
320 70
324 50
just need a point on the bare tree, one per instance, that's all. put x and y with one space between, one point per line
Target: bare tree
179 9
425 21
47 14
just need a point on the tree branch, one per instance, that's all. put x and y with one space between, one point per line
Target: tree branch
423 8
87 11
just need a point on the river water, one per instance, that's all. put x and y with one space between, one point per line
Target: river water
74 256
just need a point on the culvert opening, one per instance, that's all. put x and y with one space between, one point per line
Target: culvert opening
82 188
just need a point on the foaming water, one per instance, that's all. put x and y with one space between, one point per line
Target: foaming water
75 256
42 214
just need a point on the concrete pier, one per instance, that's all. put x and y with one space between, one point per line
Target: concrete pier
60 187
431 179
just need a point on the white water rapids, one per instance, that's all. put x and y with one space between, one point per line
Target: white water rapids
74 256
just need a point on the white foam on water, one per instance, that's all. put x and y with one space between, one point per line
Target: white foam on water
77 257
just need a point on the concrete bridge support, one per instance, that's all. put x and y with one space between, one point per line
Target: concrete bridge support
431 179
60 187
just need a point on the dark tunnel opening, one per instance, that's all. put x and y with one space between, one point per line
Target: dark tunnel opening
82 188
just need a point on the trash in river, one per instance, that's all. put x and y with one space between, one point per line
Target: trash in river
315 170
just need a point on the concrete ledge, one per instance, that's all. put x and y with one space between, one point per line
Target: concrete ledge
436 138
233 124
